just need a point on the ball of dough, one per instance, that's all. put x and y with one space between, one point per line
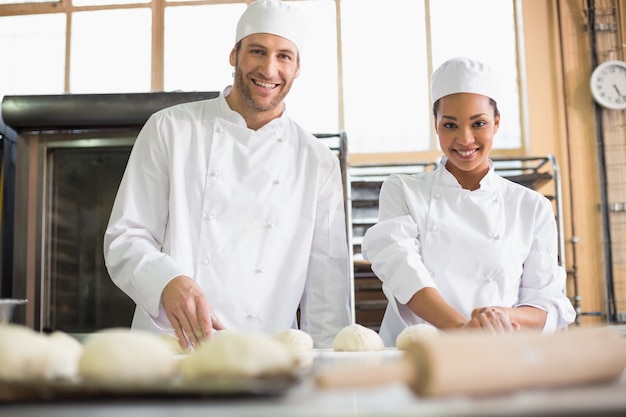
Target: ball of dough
357 338
238 353
123 356
62 357
27 355
295 339
415 332
22 353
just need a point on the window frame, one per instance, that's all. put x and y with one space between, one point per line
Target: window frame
158 7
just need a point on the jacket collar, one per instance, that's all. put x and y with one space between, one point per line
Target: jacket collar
447 179
228 114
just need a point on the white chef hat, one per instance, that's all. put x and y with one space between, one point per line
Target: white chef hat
464 75
274 17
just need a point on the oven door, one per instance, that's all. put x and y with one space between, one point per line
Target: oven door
67 184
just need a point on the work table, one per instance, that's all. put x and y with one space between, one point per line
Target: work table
305 398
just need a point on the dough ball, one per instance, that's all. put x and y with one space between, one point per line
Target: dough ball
62 357
238 353
22 353
27 355
416 332
357 338
116 355
295 339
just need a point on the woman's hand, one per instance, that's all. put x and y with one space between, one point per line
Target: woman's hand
492 320
189 311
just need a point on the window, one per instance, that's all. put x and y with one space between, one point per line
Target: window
371 79
198 40
33 54
118 62
386 71
386 75
197 46
489 35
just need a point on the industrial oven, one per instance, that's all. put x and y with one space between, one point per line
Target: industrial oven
71 154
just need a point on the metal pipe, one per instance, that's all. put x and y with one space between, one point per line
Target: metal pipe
606 227
89 110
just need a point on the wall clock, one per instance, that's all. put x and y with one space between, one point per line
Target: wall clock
608 84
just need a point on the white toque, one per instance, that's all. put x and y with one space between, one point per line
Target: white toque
274 17
464 75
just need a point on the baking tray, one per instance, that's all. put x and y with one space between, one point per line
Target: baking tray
215 387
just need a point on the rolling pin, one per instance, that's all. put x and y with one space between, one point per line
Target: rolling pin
478 364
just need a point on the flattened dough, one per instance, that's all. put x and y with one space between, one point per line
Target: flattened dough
231 352
172 340
357 338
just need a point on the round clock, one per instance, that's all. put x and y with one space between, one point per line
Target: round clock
608 85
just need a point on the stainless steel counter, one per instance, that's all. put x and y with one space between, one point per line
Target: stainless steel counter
389 400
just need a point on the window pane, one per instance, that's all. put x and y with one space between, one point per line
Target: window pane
198 40
33 48
385 75
111 61
314 98
488 34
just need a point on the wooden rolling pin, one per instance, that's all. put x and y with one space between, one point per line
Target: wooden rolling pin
479 364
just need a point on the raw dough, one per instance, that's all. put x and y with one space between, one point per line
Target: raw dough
416 332
172 340
123 356
295 339
22 353
231 352
357 338
62 356
27 355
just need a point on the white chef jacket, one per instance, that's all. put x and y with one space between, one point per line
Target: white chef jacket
256 218
495 246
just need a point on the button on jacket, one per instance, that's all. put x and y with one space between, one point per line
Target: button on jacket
255 217
495 246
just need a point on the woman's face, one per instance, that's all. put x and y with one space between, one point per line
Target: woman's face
466 124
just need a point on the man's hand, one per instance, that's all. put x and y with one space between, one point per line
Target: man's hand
189 311
492 320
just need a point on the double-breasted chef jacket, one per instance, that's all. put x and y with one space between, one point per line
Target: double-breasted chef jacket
494 246
256 218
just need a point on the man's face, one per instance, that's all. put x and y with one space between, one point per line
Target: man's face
265 67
